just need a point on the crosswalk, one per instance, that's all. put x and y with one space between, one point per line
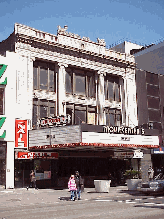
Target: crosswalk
152 201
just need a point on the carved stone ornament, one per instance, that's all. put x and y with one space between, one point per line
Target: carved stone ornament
62 30
101 42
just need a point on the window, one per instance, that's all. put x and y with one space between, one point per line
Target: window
42 109
91 117
80 115
113 117
91 85
2 101
44 76
52 78
69 88
152 90
111 88
35 76
80 82
154 115
153 102
52 108
34 116
152 78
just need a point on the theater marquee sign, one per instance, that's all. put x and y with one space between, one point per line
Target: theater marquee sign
123 130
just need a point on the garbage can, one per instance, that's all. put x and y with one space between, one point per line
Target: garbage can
102 185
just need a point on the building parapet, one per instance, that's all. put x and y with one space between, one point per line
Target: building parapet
75 42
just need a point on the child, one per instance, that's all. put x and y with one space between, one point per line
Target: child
72 187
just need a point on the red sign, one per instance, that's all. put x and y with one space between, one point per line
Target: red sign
32 155
21 133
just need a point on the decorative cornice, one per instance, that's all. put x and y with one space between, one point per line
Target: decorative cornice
104 54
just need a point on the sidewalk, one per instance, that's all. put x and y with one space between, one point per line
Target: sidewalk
20 196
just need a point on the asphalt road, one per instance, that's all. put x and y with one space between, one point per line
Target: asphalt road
115 207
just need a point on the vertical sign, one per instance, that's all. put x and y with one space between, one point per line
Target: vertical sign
21 133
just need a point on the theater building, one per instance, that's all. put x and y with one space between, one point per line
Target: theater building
73 106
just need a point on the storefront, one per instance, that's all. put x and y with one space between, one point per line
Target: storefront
158 159
44 165
94 150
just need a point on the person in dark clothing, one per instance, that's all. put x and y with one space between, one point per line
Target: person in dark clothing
79 184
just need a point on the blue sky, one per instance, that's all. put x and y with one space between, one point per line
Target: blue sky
138 21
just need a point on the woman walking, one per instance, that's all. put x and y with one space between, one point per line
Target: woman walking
72 187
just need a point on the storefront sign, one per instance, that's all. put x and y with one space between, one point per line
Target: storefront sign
21 133
34 155
138 154
123 130
123 155
159 150
54 121
105 138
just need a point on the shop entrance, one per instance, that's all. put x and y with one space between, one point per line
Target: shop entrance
45 172
22 172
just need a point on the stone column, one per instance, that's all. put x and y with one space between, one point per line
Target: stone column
130 104
101 98
145 164
61 92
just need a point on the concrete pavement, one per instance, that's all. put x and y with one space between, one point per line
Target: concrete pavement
20 196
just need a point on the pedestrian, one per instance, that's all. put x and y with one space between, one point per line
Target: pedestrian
150 173
32 180
72 187
80 184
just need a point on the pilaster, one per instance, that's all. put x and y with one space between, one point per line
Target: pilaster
101 98
61 93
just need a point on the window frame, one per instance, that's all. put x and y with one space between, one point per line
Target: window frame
47 103
115 112
50 67
84 73
111 79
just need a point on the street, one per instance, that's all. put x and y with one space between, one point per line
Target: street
46 204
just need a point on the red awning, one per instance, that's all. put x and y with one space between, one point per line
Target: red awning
84 145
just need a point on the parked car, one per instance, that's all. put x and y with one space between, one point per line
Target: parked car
154 186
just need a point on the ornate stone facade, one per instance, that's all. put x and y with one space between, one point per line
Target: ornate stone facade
69 50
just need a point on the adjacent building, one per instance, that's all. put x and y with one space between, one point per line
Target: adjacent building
150 92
